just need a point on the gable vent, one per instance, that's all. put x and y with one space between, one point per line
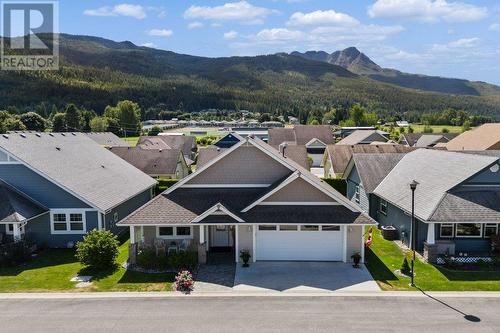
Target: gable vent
5 136
23 135
51 134
38 135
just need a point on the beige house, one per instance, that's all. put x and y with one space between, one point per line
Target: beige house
251 197
484 137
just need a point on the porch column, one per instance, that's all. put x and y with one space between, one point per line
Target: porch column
236 247
202 234
132 234
16 232
254 243
431 238
362 244
344 249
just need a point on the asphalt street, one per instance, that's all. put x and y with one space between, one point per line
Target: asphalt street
251 314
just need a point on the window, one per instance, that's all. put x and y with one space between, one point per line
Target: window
288 228
468 230
446 230
267 227
166 231
9 229
68 222
490 229
330 228
174 232
356 194
309 227
383 206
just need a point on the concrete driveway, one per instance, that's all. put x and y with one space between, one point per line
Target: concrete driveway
303 276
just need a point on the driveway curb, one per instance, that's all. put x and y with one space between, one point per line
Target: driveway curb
232 294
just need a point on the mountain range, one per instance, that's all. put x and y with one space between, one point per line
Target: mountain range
96 72
357 62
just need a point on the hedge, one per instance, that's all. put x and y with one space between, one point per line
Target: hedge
338 184
163 184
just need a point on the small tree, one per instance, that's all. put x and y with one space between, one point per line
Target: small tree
59 122
154 131
99 124
466 126
445 130
33 121
405 267
98 249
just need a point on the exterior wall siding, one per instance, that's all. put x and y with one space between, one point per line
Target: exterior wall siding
299 191
38 187
124 210
245 239
354 180
353 240
485 177
245 165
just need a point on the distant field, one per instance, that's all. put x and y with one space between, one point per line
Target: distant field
435 128
211 131
132 140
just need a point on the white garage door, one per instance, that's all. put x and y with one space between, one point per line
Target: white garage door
299 243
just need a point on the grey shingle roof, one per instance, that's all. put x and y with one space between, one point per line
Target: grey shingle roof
16 206
474 204
373 168
340 155
359 136
207 154
80 165
107 139
300 134
150 161
412 138
436 171
187 144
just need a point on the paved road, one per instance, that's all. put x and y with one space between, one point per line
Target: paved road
251 314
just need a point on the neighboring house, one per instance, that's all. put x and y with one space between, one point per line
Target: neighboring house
83 185
364 173
484 137
346 131
364 137
107 139
337 157
184 143
456 201
227 141
424 140
314 137
166 163
402 123
207 154
252 198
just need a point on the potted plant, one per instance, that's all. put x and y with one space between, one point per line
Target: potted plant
184 282
356 258
245 256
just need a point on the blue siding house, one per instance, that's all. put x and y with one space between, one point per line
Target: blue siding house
457 200
78 185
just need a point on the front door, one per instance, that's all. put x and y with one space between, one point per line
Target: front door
221 236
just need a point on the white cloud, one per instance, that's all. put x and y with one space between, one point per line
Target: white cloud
495 27
195 25
242 12
279 34
160 32
135 11
321 17
427 10
459 44
230 34
151 45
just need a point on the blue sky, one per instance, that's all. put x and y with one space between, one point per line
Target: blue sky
436 37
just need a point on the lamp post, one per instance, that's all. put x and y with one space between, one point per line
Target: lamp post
413 187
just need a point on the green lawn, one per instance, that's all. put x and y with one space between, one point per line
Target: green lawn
384 257
417 128
53 269
132 140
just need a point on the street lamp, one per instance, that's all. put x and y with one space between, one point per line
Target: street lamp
413 187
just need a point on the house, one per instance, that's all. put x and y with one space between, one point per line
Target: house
337 157
456 201
107 139
184 143
484 137
252 198
402 123
347 130
314 137
260 132
81 184
364 173
423 140
227 141
165 163
364 137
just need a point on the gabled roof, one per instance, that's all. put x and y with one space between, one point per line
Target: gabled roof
411 138
360 136
16 206
207 154
187 144
484 137
373 168
151 161
340 155
300 134
298 154
79 165
107 139
437 172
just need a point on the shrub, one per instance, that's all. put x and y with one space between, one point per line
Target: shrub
184 282
98 249
183 260
338 184
147 259
405 267
445 130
